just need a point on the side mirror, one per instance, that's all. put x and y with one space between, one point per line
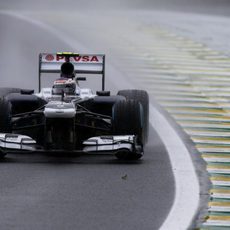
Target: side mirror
81 79
27 91
103 93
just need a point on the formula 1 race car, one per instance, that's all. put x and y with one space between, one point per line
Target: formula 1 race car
67 118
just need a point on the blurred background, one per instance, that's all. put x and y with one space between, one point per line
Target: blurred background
199 6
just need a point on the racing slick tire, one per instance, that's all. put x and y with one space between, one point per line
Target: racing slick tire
5 119
127 120
142 97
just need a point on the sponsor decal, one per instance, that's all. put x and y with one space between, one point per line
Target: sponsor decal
79 58
59 58
60 82
49 57
64 81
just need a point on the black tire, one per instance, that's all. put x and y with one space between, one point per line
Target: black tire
22 103
5 116
5 119
142 97
127 120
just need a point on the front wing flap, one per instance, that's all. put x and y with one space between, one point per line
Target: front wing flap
103 144
11 142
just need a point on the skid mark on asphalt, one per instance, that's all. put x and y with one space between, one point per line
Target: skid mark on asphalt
192 83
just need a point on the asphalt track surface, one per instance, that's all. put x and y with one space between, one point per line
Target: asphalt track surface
83 192
88 192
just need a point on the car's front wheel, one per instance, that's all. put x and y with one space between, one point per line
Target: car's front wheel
143 98
127 120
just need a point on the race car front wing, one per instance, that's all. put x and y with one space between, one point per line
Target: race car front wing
10 143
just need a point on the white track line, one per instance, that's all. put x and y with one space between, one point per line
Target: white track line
186 201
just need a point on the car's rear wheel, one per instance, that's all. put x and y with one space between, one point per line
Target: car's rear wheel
127 120
142 97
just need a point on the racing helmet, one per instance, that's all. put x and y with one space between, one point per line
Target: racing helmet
67 70
64 85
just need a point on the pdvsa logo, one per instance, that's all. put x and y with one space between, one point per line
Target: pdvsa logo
80 58
85 58
49 57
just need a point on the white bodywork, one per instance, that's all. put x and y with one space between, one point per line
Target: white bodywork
15 141
46 94
59 109
83 63
109 143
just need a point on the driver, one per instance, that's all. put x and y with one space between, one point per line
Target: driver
66 83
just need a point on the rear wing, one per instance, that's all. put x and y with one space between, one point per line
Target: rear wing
83 64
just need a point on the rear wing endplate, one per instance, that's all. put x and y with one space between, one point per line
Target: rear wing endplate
83 64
